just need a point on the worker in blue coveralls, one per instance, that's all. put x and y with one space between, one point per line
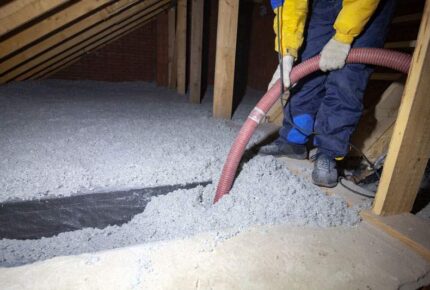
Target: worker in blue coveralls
330 102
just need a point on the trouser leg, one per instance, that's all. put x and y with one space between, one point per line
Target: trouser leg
306 97
342 105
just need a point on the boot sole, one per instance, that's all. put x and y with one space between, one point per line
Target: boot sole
330 185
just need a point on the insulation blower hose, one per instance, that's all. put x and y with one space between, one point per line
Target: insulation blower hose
372 56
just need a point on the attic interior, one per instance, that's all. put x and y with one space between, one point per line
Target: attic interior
132 138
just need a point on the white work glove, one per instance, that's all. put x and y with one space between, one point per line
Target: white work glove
287 62
333 55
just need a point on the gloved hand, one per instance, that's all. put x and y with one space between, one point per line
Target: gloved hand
333 55
287 62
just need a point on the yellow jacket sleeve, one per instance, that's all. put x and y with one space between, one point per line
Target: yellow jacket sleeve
352 18
292 16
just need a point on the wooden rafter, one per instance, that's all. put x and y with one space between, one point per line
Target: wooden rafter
410 145
18 13
66 34
95 41
94 33
100 44
49 25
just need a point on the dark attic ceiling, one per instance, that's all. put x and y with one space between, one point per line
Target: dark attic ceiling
40 37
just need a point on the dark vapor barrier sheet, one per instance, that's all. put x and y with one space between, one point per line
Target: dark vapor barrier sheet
35 219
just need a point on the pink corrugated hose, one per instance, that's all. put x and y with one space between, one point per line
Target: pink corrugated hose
372 56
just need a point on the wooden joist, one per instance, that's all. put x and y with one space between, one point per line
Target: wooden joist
410 145
401 44
88 48
407 18
196 50
49 25
17 13
92 41
65 34
386 76
181 46
228 13
71 60
411 230
94 33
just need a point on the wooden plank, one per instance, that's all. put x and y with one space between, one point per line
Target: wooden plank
171 47
90 42
61 63
162 58
228 12
48 25
181 46
410 146
386 76
380 145
67 33
27 13
401 44
69 61
276 114
12 7
95 32
196 50
407 18
375 122
413 231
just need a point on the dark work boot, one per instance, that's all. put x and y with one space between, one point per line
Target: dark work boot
325 172
280 148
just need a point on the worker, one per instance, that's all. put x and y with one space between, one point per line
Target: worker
330 102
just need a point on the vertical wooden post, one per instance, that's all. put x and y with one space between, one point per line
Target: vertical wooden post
196 50
410 145
171 22
162 60
181 46
228 13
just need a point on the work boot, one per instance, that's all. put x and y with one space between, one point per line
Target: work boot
325 172
280 148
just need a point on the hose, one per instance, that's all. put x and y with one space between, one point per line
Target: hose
372 56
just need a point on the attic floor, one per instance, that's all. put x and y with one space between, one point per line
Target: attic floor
277 257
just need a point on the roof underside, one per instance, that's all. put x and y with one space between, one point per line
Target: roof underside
40 37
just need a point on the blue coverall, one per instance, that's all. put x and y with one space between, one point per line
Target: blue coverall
331 103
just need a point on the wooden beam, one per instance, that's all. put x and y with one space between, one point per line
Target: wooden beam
375 123
162 58
181 46
69 61
196 50
11 7
48 25
410 145
411 230
95 32
81 47
407 18
26 13
62 63
225 58
65 34
386 76
171 47
401 44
